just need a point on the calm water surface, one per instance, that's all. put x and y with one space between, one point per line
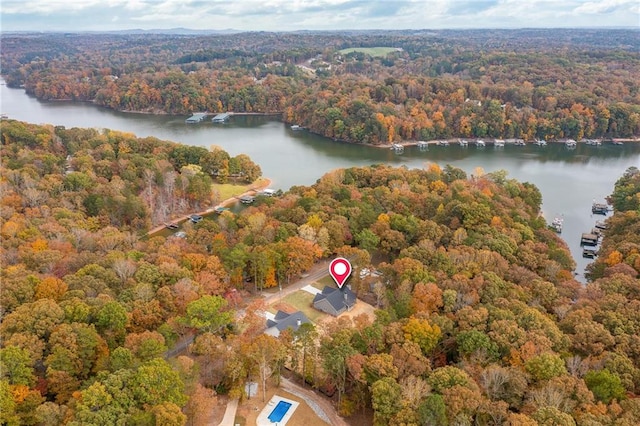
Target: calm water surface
569 179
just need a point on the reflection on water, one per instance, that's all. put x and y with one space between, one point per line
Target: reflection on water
568 179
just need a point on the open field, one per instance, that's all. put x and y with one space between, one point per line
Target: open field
378 51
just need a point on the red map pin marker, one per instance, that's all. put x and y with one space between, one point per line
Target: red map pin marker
340 269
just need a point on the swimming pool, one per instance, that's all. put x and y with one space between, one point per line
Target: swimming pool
279 411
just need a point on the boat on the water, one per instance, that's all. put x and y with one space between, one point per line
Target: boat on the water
397 147
296 127
599 208
556 225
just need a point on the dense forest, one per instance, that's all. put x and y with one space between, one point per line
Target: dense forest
527 84
478 319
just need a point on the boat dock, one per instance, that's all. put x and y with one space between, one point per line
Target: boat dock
423 145
601 224
221 118
599 208
588 239
196 117
397 147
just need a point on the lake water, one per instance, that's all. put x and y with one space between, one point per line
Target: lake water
570 180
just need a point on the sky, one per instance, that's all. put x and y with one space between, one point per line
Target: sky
292 15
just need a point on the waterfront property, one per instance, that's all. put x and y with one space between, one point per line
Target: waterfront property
247 199
278 411
589 253
221 118
196 117
480 143
268 192
296 127
195 218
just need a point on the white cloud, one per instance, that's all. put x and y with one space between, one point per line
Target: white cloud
282 15
605 6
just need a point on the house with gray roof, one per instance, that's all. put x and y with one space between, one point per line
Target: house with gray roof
334 301
283 320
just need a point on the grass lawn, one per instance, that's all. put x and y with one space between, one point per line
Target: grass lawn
324 281
371 51
228 190
302 300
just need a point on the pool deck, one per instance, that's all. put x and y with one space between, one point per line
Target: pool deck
263 419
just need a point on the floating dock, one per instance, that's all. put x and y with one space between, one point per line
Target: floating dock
221 118
589 240
589 253
601 224
196 117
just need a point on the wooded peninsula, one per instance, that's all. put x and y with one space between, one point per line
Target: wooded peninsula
373 87
475 317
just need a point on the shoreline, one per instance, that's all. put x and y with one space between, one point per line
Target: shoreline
491 142
266 182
